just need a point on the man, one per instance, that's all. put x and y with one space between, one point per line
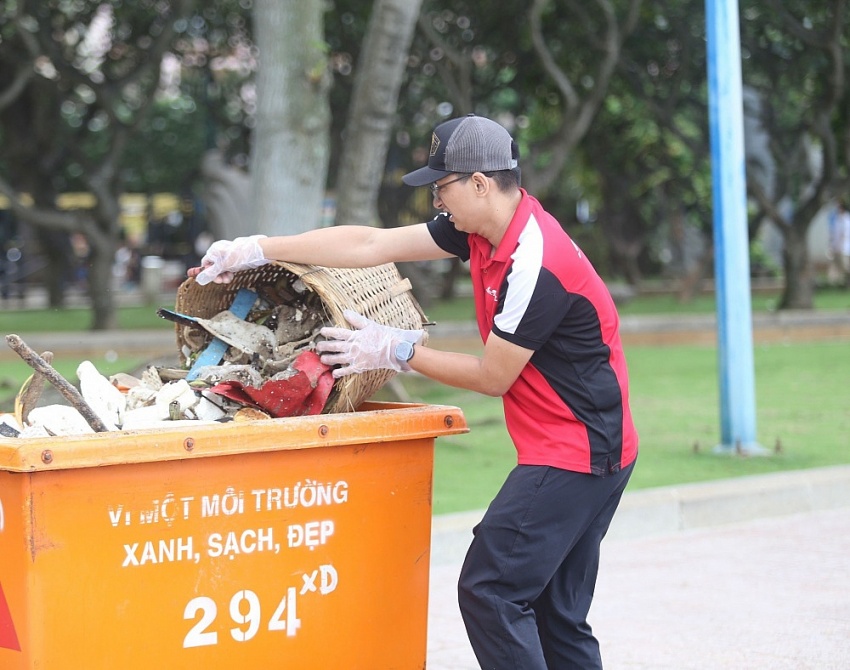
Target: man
552 351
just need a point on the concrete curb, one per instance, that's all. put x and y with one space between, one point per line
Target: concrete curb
690 322
99 343
671 509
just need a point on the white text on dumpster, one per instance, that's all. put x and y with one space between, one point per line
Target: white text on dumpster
231 524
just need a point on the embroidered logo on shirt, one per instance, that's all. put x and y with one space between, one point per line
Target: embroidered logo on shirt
493 293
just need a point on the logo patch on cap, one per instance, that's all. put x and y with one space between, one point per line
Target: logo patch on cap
435 144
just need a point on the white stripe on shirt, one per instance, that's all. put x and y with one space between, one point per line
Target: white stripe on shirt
522 277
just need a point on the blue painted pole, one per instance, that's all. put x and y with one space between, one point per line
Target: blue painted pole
731 243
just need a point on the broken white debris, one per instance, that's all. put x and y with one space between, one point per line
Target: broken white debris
59 420
106 401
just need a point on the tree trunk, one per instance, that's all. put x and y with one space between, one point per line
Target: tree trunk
621 227
799 278
693 277
447 289
100 291
289 159
227 197
372 114
102 246
55 273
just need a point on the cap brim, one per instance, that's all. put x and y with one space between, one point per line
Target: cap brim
423 176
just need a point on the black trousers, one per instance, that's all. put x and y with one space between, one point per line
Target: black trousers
528 578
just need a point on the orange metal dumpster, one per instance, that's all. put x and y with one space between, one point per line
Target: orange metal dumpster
290 543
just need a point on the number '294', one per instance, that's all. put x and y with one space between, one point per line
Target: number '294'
245 611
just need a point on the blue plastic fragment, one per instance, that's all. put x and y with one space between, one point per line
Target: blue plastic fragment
215 350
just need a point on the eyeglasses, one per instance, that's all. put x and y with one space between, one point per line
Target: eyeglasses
435 187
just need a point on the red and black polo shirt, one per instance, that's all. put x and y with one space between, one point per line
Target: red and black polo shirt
569 408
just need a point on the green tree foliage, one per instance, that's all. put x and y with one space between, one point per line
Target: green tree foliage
88 73
607 99
79 83
542 69
796 55
647 150
206 101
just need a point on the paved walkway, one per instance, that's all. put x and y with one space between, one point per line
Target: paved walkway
769 592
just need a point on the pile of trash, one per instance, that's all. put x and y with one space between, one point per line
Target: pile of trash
254 360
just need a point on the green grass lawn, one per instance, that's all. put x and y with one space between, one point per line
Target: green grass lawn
142 317
801 407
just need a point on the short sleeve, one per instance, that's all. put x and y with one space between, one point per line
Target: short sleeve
449 238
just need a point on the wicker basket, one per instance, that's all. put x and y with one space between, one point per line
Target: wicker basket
379 293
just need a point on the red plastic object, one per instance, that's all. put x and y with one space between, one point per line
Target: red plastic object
303 394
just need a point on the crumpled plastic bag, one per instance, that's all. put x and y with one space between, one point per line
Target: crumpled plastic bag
304 393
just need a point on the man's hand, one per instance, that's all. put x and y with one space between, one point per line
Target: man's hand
225 257
370 346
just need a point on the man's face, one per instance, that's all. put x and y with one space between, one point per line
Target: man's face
450 195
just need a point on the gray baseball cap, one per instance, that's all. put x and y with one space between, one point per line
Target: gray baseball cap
465 145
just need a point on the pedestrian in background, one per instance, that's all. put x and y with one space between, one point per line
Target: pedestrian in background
552 351
841 242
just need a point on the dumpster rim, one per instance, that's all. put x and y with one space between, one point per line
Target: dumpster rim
367 425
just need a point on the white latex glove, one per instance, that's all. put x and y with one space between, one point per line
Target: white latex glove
225 257
370 346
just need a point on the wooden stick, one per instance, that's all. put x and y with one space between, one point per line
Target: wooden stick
71 394
35 387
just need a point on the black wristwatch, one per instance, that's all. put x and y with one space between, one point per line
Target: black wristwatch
404 351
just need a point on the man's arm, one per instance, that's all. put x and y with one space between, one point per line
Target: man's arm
340 246
491 374
370 346
355 246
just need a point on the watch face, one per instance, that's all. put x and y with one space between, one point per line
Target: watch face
404 351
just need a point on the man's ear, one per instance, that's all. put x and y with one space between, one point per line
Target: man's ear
482 184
